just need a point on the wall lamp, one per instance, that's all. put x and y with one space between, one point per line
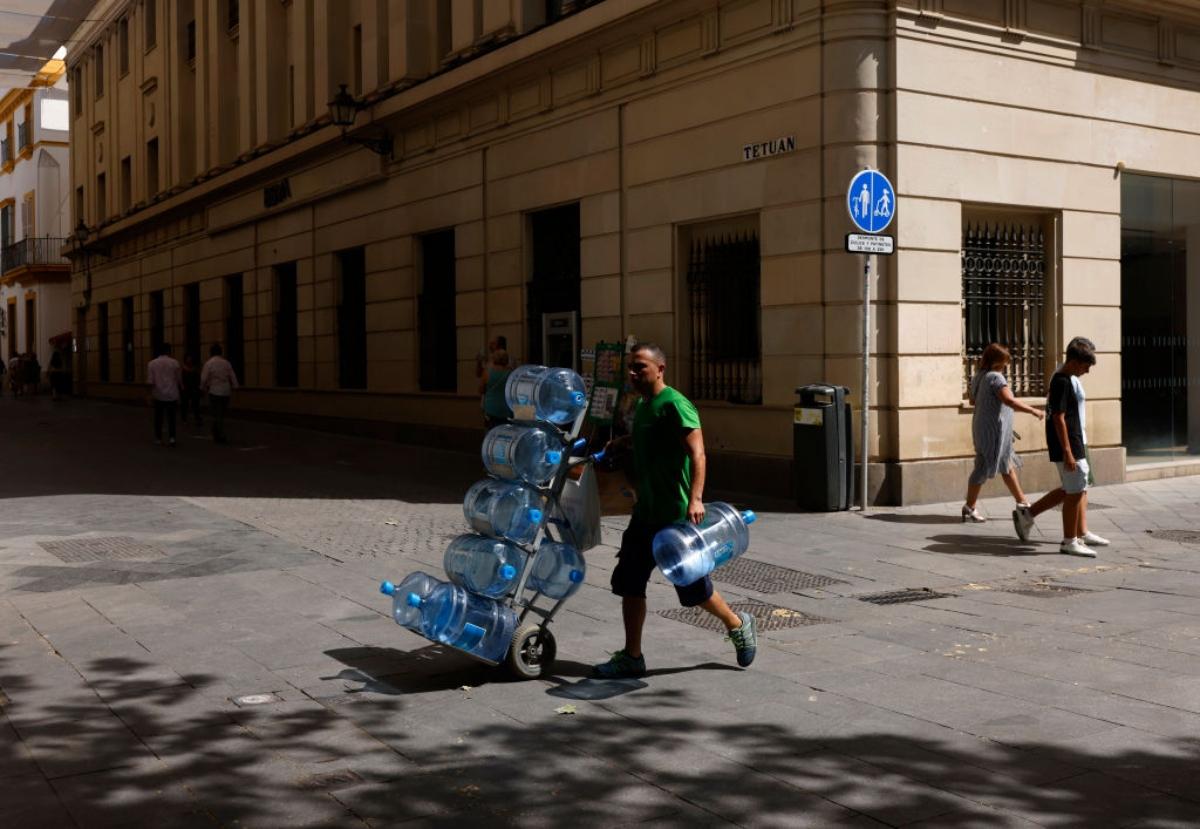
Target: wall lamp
343 110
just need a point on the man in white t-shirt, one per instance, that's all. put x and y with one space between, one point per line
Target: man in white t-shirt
165 378
218 379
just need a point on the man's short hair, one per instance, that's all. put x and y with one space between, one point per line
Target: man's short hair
1082 350
215 350
164 348
653 349
501 341
500 357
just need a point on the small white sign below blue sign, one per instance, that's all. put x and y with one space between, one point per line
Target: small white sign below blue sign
871 201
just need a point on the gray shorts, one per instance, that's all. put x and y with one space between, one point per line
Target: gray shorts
1073 482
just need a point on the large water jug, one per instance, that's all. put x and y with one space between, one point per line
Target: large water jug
504 509
558 570
556 395
487 566
478 625
687 552
418 584
522 453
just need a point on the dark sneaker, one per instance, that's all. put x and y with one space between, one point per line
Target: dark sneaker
745 639
621 666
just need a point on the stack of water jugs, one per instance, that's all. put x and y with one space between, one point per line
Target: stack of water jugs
506 512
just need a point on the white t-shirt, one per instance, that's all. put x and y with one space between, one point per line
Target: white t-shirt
165 378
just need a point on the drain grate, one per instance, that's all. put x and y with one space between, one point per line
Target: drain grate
1044 590
920 594
768 616
769 578
1182 536
115 548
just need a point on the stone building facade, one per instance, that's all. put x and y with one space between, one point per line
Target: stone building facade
35 296
671 170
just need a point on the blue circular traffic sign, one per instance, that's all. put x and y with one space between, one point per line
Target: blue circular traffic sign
871 201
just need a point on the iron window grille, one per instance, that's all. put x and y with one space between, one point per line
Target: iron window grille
723 290
1004 301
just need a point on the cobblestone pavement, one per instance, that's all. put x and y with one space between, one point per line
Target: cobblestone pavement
195 637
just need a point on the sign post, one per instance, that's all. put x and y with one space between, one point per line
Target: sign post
871 200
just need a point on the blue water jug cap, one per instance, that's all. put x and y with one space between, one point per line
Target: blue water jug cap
748 516
414 600
535 515
387 588
576 576
553 456
507 571
577 396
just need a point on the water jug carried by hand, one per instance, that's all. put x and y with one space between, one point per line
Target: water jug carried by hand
687 552
504 509
556 395
487 566
522 453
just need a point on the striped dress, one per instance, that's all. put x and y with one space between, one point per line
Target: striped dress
991 429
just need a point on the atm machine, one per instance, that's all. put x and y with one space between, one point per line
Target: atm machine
560 339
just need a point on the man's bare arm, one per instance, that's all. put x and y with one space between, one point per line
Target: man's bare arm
1060 429
694 442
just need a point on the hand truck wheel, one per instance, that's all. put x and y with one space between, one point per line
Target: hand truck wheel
532 653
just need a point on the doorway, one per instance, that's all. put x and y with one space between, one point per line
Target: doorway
553 287
1160 282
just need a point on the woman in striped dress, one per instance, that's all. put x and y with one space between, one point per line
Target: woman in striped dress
992 429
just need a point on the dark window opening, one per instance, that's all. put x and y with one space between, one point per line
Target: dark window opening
352 318
157 320
190 46
101 198
191 320
554 279
102 339
123 45
235 337
126 183
287 338
99 71
31 325
436 324
127 352
233 12
725 315
151 23
1004 299
152 168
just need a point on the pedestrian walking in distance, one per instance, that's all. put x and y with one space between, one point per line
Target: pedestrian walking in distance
992 430
1066 443
668 452
165 378
219 380
491 389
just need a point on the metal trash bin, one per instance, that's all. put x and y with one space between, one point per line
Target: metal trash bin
823 448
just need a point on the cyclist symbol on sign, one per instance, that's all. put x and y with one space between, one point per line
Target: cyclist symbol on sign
862 205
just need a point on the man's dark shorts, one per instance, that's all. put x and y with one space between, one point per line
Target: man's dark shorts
635 563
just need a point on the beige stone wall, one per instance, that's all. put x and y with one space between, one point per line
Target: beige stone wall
1040 122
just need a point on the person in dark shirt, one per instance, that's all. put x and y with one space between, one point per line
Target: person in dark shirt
1066 444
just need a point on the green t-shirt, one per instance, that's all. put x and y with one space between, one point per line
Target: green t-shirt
664 468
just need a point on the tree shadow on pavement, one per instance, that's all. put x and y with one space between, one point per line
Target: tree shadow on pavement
183 756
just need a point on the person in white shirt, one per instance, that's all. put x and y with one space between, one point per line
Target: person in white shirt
165 378
219 380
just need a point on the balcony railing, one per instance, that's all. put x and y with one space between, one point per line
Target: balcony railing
23 135
38 250
6 151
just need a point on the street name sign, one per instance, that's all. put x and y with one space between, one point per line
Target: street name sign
870 243
871 201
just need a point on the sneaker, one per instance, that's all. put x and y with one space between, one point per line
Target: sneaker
1092 540
1022 522
745 640
1075 547
621 666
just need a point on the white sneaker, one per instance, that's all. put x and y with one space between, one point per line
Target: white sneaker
1092 540
973 515
1022 522
1075 547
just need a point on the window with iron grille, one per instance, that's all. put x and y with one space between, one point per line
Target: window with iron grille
1004 299
725 313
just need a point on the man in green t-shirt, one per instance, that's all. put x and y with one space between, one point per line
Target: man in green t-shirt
668 453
